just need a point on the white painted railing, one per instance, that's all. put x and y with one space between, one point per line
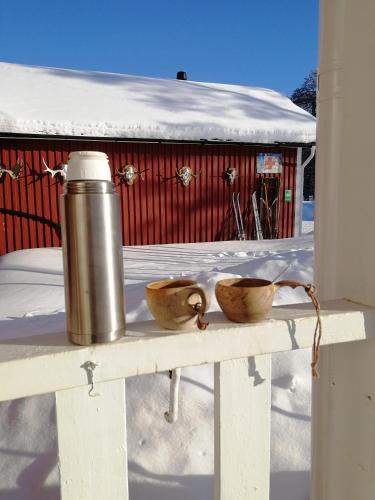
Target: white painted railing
91 409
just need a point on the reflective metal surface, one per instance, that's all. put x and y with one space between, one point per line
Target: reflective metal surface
93 270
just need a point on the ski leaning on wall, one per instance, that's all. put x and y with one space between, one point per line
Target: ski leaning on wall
258 226
238 216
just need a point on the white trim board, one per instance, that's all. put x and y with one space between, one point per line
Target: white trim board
48 363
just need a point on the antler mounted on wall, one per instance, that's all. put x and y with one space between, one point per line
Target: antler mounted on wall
55 171
185 174
129 173
14 172
230 175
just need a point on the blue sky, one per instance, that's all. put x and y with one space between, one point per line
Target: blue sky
270 43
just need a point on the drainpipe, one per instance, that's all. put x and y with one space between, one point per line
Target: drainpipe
298 204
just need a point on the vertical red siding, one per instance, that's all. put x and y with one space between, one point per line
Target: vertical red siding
157 209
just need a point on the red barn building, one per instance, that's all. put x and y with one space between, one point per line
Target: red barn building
233 141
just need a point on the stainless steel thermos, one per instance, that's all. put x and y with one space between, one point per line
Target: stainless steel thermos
92 251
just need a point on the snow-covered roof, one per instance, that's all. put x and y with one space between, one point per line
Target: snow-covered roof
39 100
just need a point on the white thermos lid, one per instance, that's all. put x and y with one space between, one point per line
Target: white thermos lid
88 165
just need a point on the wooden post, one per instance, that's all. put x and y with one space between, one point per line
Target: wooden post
242 428
343 424
343 438
92 442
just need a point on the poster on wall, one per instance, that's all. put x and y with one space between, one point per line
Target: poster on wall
269 163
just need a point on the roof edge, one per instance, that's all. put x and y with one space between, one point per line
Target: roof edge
5 135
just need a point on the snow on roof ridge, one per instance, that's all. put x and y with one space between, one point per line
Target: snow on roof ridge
58 101
145 77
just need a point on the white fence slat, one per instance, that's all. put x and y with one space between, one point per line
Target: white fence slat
242 428
343 425
92 442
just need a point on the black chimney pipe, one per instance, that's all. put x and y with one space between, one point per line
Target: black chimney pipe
181 75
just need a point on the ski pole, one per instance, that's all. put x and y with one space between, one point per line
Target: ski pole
242 231
235 213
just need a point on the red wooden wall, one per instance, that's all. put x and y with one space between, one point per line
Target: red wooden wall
158 209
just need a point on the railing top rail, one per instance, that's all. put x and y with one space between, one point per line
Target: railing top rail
48 363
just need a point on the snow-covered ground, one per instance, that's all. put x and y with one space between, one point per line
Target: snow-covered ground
308 215
167 462
308 210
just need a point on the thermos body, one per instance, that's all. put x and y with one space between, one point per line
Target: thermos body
93 268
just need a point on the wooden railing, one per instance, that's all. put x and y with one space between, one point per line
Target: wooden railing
89 384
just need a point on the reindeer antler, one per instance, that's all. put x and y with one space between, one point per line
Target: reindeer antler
13 172
62 171
17 169
185 175
142 172
128 173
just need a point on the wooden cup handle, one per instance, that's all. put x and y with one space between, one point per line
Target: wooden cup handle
196 289
200 309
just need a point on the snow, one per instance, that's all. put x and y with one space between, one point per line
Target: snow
40 100
308 211
166 462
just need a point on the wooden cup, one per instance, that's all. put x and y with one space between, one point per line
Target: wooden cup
248 300
176 303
